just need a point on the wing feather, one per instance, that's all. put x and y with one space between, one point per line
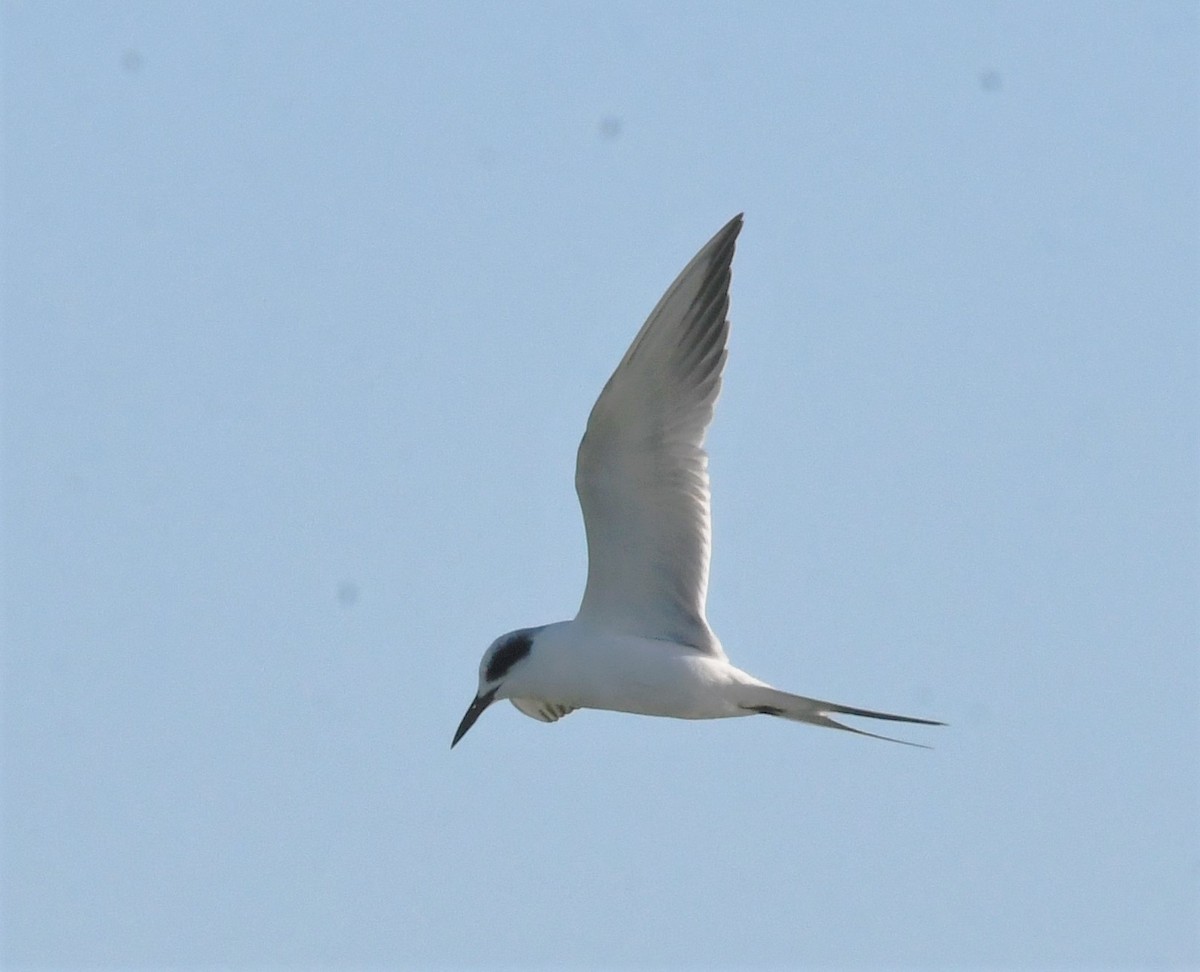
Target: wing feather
642 472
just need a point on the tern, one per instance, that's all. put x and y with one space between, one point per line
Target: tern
640 642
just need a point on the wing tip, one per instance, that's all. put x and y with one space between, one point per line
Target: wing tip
730 230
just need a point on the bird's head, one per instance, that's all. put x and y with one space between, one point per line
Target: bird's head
504 655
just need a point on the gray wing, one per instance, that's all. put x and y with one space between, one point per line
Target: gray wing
642 472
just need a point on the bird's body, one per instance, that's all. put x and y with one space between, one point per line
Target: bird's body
640 642
586 667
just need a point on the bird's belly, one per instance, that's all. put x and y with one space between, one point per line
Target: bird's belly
642 676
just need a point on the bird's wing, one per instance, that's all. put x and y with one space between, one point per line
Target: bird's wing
642 472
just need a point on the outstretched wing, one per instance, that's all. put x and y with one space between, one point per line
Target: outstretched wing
642 472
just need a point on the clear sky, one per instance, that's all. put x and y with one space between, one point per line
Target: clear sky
304 308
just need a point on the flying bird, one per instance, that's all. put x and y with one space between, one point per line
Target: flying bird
640 642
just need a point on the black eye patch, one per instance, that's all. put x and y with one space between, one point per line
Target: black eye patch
507 655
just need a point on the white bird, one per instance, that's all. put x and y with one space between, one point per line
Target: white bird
641 642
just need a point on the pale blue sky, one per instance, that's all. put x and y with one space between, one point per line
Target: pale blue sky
304 308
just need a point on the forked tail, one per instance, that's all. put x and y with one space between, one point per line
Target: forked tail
771 701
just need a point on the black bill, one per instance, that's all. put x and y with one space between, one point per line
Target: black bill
474 711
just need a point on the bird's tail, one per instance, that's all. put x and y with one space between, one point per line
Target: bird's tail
771 701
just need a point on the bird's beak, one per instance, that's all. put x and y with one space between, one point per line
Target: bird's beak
474 711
